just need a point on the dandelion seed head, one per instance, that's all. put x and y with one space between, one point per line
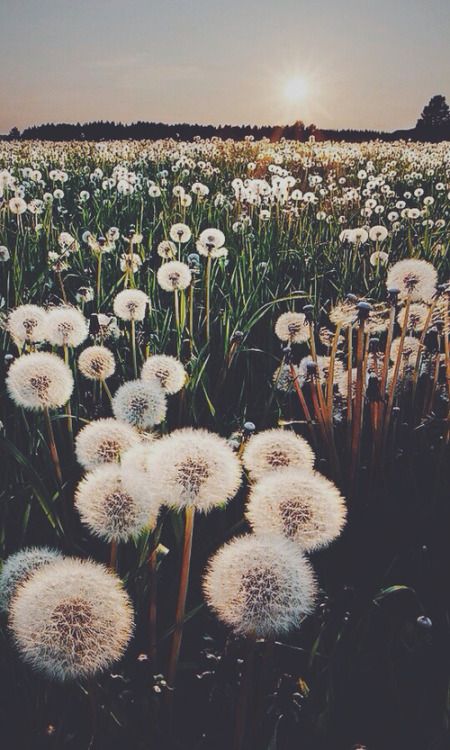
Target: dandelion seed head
96 363
27 323
66 326
261 585
71 620
174 275
140 403
39 380
417 317
108 510
104 441
301 505
193 467
168 372
272 450
292 327
414 278
131 304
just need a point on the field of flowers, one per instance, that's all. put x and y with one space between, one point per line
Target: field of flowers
224 508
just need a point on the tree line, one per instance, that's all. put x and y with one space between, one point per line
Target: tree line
432 125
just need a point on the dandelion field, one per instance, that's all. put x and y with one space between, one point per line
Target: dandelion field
225 439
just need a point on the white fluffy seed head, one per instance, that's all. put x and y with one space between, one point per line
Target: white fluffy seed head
66 326
140 403
410 350
193 467
39 380
301 505
272 450
108 510
322 369
417 317
167 371
130 304
174 275
97 363
71 620
103 442
292 327
18 568
27 323
414 278
260 585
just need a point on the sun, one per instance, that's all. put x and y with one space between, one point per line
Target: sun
296 89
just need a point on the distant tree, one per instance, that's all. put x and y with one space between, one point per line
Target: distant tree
435 116
14 134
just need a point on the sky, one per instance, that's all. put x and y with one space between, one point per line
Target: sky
335 63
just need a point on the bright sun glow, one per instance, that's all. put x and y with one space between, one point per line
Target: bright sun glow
296 89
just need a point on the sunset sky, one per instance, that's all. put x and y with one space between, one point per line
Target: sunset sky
352 63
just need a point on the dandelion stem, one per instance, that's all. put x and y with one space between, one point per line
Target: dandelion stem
133 346
359 397
52 446
181 601
393 385
208 293
113 556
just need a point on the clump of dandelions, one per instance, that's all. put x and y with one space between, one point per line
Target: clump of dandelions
18 568
260 585
27 324
39 380
415 279
66 326
174 275
71 620
140 403
167 371
131 304
276 449
301 505
292 327
108 510
104 441
96 363
193 468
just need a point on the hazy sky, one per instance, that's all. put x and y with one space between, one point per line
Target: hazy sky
366 63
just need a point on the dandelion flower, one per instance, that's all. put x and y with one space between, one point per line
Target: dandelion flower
174 275
19 567
71 620
168 371
414 278
193 467
272 450
130 304
108 510
301 505
39 380
96 363
260 585
104 441
27 323
140 403
292 327
136 479
66 326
